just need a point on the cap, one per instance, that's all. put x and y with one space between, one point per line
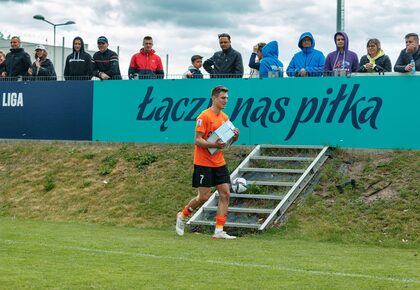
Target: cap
102 39
195 57
40 46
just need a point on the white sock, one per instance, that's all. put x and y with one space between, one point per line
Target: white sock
218 230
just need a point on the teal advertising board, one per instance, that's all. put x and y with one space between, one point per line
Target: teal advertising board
354 112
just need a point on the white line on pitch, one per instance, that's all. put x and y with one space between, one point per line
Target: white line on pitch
225 263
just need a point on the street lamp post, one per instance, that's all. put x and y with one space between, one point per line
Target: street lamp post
40 17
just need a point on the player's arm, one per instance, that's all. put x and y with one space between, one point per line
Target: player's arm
200 141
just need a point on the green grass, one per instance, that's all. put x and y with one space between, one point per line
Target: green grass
144 185
57 255
101 216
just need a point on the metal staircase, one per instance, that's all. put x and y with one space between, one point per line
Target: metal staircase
276 175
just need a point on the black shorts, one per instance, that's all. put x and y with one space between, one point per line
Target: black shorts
204 176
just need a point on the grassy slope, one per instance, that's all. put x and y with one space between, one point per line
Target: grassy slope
143 185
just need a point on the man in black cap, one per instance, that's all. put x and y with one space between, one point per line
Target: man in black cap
105 62
193 71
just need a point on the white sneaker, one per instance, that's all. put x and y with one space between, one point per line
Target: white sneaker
223 235
179 224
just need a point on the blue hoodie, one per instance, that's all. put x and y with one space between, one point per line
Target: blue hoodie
309 58
346 60
270 63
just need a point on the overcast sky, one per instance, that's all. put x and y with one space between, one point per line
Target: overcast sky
181 28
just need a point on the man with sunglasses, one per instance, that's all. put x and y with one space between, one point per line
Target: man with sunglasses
226 63
105 62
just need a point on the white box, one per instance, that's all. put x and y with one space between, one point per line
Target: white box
224 133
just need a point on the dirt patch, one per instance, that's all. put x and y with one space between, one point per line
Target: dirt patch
385 193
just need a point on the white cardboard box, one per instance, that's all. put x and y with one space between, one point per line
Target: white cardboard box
224 133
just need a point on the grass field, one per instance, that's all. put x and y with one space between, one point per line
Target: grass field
58 255
101 216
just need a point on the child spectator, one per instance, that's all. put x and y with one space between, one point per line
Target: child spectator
193 71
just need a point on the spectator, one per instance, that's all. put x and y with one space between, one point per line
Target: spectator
105 63
79 63
42 68
341 61
226 63
270 65
375 60
146 64
18 61
411 52
194 69
2 64
255 59
308 61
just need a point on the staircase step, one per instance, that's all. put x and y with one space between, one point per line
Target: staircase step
256 196
271 183
269 146
282 158
241 209
271 170
228 224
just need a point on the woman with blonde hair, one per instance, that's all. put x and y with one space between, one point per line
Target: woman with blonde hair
42 68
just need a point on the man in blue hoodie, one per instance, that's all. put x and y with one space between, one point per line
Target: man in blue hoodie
341 61
270 65
308 61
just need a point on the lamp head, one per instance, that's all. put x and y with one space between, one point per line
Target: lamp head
39 17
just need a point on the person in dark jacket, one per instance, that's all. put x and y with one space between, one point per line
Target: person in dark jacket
105 62
2 64
79 63
255 60
18 61
375 60
411 52
226 63
193 71
42 68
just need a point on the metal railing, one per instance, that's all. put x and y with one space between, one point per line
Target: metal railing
181 76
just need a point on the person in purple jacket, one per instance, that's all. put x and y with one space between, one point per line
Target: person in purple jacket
342 61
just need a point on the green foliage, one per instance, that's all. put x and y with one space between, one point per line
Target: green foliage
141 160
108 163
49 182
255 189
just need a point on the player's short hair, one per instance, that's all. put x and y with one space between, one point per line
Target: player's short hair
217 90
415 35
223 35
147 38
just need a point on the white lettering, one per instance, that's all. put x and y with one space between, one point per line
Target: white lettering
12 99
